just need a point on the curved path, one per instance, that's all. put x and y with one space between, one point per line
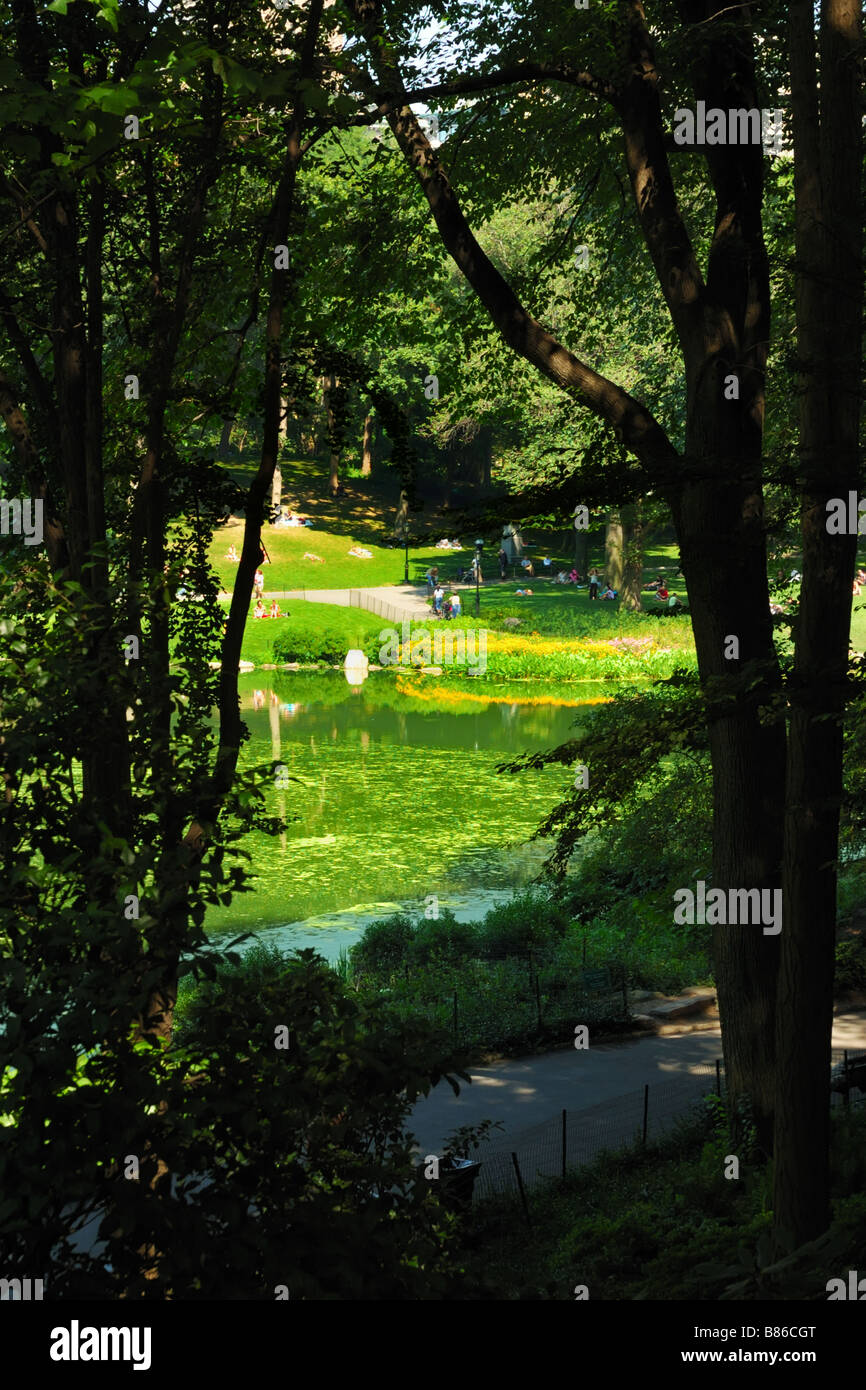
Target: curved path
601 1088
394 602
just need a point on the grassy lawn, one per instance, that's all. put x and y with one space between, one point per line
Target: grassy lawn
554 610
338 570
364 516
564 615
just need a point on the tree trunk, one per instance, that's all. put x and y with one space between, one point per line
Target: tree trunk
581 551
367 447
829 298
308 435
326 384
329 419
633 571
614 551
719 523
225 439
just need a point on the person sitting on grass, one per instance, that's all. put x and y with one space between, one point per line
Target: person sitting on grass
609 592
275 610
574 577
232 554
674 605
259 611
655 583
662 594
308 555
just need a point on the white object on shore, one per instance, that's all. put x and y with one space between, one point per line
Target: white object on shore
356 667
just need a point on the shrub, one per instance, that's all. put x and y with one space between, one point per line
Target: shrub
330 644
528 921
384 947
443 939
310 1138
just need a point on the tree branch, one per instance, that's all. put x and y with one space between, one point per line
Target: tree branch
633 422
484 82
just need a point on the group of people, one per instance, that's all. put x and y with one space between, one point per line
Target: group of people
663 594
261 612
596 583
526 564
446 605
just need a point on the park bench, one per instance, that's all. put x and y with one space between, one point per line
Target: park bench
851 1077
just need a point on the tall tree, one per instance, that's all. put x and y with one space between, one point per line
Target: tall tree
713 483
827 110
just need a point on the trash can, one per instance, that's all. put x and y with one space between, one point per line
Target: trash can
457 1176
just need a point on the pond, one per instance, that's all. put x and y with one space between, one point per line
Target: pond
395 797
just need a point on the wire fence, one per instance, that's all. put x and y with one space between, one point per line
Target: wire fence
575 1138
373 604
505 998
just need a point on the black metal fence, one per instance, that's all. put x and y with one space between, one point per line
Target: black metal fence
536 995
577 1137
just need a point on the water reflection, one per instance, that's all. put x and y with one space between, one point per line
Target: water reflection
386 804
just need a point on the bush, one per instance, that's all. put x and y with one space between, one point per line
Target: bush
307 1138
384 947
307 645
528 921
443 939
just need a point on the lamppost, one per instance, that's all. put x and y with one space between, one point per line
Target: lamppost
404 536
479 546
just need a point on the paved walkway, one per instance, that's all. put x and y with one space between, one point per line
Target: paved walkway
394 602
528 1091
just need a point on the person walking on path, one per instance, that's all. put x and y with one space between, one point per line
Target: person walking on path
438 594
593 583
